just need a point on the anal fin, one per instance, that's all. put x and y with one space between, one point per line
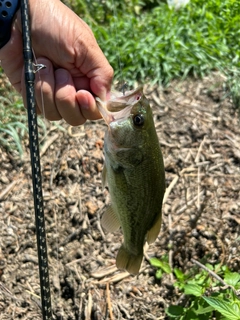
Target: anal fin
154 231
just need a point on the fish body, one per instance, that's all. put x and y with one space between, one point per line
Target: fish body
134 174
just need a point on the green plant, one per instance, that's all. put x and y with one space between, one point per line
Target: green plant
145 41
206 293
13 124
101 11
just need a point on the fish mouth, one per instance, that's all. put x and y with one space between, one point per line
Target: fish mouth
109 116
119 107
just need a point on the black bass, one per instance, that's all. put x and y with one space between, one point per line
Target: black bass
134 173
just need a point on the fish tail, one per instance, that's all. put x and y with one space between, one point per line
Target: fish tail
128 261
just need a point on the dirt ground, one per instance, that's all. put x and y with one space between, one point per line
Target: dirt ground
199 133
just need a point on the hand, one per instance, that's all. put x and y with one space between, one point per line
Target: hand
76 69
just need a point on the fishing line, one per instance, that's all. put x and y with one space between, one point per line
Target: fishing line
38 67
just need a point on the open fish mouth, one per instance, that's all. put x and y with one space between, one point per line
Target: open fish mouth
119 101
119 106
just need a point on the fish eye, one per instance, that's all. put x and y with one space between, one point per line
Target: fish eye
138 120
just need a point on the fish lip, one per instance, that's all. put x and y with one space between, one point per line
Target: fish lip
110 116
119 96
124 102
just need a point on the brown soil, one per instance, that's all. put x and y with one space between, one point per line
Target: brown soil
199 133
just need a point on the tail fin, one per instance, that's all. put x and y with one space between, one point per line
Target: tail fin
126 260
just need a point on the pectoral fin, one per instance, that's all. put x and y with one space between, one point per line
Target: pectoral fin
154 231
110 220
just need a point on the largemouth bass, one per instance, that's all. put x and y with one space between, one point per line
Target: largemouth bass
134 173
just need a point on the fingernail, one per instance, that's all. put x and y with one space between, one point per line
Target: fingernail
85 104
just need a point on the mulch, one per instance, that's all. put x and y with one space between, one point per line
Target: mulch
199 133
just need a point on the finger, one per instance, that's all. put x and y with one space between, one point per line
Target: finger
101 81
45 89
65 98
98 70
91 62
87 105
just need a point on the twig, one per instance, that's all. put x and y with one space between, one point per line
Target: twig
123 310
8 189
48 143
88 308
175 180
106 271
100 229
188 204
169 189
71 237
182 213
199 150
115 278
199 173
109 302
4 290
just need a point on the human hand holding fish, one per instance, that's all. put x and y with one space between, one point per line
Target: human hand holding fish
76 69
134 173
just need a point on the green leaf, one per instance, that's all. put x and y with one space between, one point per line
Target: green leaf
174 311
159 273
179 274
232 278
202 310
224 307
191 315
160 264
155 262
193 289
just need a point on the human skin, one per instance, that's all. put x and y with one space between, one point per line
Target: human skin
76 68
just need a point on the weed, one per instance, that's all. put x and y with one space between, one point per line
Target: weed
207 294
13 124
146 41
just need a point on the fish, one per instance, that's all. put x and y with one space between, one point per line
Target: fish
134 174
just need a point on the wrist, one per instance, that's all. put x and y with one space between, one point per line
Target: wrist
8 8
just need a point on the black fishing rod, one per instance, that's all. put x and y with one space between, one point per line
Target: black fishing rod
35 163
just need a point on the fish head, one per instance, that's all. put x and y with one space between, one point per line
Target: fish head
129 118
